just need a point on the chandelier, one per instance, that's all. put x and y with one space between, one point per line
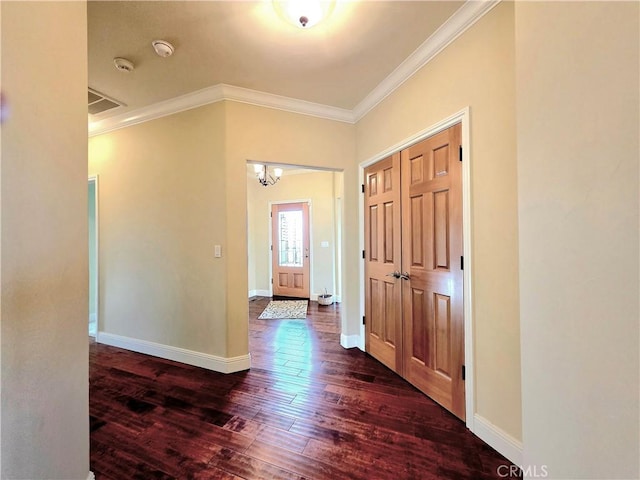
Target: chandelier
265 177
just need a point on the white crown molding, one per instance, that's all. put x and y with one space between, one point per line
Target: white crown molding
215 94
468 14
288 104
158 110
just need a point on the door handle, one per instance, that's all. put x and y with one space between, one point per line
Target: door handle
404 276
394 275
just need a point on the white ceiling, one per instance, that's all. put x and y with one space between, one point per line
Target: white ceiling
246 44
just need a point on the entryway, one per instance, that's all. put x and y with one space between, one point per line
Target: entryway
413 266
307 265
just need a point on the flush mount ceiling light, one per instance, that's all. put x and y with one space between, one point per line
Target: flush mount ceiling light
303 13
163 48
264 177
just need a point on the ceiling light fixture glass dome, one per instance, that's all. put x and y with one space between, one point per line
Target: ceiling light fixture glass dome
303 13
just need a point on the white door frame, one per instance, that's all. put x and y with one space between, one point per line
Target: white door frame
284 202
463 117
94 179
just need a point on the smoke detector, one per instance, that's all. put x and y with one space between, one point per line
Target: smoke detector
163 48
123 64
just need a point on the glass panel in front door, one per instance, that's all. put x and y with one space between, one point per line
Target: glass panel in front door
290 238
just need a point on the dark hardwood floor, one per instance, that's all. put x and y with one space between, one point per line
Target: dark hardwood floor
307 409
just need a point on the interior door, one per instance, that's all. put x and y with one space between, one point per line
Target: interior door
290 247
431 261
383 307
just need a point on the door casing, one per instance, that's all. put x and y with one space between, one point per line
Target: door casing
96 274
462 117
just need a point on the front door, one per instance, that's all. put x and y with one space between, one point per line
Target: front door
432 259
383 307
290 247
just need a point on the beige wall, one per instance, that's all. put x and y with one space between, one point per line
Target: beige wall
578 124
44 286
172 188
317 187
162 210
258 133
477 70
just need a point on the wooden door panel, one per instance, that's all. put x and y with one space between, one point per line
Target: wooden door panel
383 307
416 166
420 331
441 159
442 334
389 232
440 240
372 183
429 367
372 251
390 313
432 296
375 317
384 321
430 229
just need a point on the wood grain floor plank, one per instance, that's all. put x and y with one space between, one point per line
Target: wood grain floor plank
283 439
307 409
304 466
248 467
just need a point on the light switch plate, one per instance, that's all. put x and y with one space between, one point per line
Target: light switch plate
324 244
217 251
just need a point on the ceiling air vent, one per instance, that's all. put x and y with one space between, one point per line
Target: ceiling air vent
99 103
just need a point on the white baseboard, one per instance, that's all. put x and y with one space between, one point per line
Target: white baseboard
498 439
349 341
91 476
190 357
259 293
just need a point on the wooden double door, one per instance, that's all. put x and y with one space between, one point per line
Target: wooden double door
414 319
